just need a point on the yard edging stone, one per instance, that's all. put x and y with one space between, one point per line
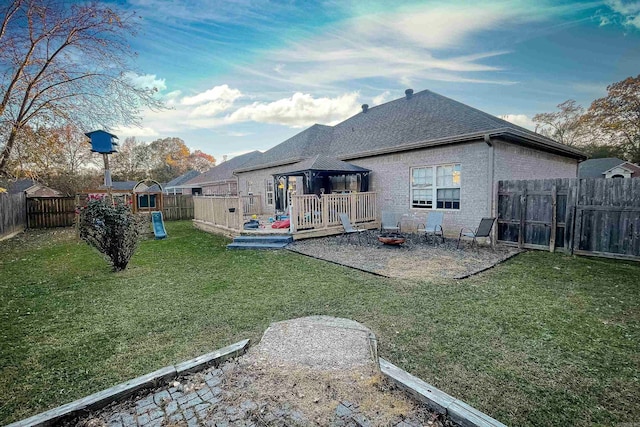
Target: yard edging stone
105 397
437 400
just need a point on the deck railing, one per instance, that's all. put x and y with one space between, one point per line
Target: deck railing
252 205
310 211
218 210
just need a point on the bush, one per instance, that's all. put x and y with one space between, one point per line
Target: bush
112 229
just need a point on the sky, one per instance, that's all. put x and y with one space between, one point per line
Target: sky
245 75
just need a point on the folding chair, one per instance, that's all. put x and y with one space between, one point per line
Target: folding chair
389 222
483 230
349 228
433 227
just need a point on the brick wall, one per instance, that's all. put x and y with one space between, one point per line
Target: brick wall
516 162
390 178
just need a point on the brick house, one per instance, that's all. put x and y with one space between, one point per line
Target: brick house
219 180
419 153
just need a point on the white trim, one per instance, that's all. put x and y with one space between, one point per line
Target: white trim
434 187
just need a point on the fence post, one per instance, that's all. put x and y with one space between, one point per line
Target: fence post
554 218
353 208
523 216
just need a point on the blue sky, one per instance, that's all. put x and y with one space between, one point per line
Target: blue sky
245 75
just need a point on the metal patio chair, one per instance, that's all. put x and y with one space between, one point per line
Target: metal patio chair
390 222
349 228
433 227
483 230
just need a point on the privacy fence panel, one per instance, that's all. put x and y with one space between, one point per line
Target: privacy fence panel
13 214
585 216
176 207
48 212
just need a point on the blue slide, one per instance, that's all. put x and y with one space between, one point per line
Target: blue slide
158 225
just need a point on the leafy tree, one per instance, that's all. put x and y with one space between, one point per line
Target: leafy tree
111 229
63 62
618 114
566 125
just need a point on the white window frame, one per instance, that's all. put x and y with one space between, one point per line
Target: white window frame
434 187
269 193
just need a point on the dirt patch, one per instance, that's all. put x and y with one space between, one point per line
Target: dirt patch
415 259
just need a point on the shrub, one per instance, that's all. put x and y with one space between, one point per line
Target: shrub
111 229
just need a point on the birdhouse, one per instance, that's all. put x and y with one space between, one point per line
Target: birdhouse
103 142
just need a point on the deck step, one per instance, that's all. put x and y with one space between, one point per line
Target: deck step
260 242
251 245
264 239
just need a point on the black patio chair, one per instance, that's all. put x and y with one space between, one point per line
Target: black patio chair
483 230
349 228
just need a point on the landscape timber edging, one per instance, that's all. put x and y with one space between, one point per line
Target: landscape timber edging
437 400
105 397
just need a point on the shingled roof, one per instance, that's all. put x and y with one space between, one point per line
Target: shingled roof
223 171
177 182
595 168
322 163
421 120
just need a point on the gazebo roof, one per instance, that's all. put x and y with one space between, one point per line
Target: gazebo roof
323 164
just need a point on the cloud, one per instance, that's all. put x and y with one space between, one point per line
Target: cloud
299 110
520 120
629 10
381 99
139 132
213 101
147 81
413 44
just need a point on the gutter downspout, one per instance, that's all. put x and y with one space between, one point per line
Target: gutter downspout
491 185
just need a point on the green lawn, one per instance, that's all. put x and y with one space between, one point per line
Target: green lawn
543 339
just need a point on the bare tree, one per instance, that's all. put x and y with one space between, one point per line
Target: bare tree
66 63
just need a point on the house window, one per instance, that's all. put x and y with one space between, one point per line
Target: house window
147 201
269 192
436 187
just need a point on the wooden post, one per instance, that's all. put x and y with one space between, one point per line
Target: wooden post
240 213
353 207
325 210
554 218
523 216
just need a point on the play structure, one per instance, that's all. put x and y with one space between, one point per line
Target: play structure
158 225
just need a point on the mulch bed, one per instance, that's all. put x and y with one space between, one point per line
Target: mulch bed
417 258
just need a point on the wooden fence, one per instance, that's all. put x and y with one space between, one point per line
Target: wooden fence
593 216
176 207
13 214
310 211
219 210
48 212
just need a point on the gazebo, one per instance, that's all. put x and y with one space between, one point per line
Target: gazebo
321 175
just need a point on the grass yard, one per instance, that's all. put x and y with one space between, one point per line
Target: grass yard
543 339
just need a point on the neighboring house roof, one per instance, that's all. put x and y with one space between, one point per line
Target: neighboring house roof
322 163
182 179
223 171
421 120
31 187
120 185
595 168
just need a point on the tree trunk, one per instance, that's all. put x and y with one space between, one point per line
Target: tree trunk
6 151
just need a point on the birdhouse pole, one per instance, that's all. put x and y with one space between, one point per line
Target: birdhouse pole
104 143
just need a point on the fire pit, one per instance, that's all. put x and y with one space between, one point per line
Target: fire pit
392 238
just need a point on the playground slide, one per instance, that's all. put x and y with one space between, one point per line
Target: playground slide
158 225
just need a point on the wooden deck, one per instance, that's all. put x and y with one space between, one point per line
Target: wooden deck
311 216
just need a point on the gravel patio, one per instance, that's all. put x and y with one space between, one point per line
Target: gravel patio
417 258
